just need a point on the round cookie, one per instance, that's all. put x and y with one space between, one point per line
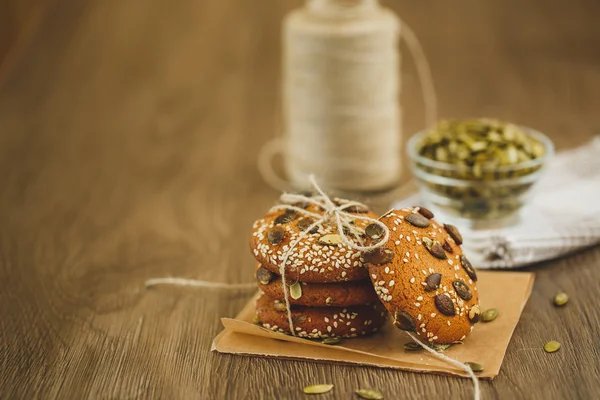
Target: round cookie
341 294
321 322
320 257
422 277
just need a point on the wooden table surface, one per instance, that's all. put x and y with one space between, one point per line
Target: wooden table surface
128 145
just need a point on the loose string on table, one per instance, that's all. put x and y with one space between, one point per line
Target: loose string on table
456 363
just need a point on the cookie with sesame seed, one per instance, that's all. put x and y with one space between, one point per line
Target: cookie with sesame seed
321 322
340 294
319 257
423 278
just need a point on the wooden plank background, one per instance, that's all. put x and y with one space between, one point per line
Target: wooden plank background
129 132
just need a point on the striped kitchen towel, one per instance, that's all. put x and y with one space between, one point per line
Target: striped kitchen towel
562 215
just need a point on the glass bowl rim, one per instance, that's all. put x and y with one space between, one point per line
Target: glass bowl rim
419 159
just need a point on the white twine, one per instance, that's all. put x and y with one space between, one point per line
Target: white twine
341 111
197 283
443 357
331 213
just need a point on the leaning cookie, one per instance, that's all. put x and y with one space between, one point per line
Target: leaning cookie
318 257
340 294
423 278
321 322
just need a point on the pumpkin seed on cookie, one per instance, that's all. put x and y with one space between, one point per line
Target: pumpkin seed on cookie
276 234
380 255
417 220
445 305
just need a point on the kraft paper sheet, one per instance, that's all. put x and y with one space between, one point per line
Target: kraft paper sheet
487 344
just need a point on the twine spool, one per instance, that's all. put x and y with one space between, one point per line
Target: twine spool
340 96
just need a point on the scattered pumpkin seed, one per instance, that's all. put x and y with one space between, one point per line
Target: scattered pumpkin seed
475 367
474 314
380 255
404 321
412 346
462 290
417 220
440 348
374 231
369 394
296 290
263 275
332 340
561 299
433 282
425 212
551 346
331 239
444 304
276 235
317 389
489 315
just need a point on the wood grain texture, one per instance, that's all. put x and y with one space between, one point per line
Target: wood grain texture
128 141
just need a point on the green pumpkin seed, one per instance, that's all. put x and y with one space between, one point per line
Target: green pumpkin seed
317 389
475 367
332 239
440 348
279 306
369 394
489 315
296 290
551 346
561 299
477 148
412 346
332 340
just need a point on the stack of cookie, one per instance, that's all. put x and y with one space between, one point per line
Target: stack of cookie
330 293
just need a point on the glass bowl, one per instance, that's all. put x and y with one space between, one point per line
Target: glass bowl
477 197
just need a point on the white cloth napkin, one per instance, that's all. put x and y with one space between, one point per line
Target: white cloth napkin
562 215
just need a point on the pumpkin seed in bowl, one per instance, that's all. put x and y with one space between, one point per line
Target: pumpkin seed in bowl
477 170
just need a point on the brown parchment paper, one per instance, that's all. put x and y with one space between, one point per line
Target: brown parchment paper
506 291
